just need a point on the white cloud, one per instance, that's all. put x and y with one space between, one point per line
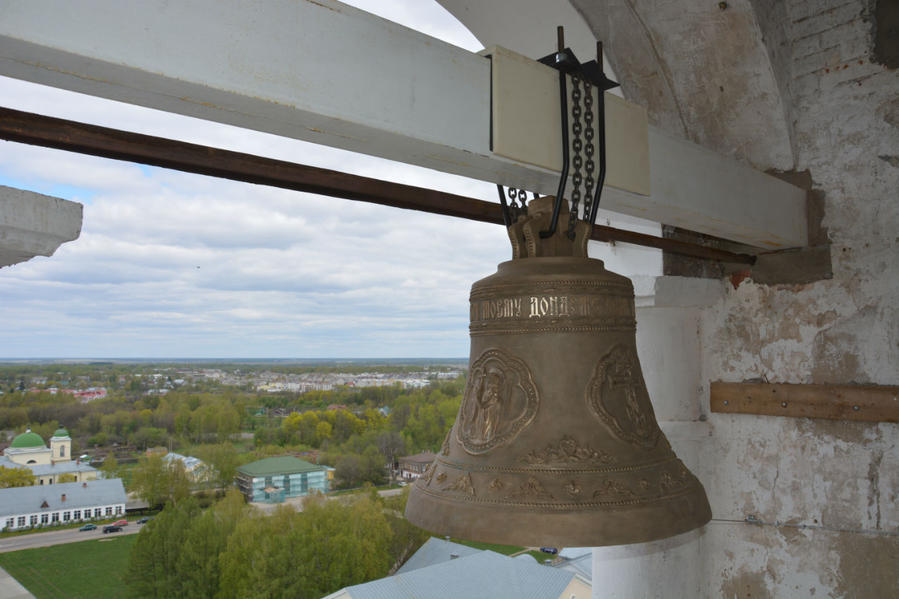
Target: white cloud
177 265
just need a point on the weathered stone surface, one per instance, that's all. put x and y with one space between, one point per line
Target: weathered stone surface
32 224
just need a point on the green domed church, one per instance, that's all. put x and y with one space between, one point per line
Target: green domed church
47 463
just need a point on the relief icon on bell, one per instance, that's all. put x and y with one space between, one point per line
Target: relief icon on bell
500 400
556 442
618 396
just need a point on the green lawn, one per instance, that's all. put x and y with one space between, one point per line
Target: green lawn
88 569
504 549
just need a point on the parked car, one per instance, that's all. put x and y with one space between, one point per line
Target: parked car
111 528
549 550
120 523
88 527
145 519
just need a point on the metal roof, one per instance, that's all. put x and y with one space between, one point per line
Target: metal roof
425 457
27 439
47 469
190 462
581 565
279 465
24 500
435 551
483 575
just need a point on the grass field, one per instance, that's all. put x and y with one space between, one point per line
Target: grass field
85 570
504 549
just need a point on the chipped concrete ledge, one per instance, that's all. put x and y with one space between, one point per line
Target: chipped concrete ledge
32 224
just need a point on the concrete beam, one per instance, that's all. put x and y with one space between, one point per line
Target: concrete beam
331 74
32 224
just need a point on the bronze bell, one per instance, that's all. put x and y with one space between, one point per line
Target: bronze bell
556 442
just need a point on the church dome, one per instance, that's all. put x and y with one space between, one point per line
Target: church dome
61 432
27 440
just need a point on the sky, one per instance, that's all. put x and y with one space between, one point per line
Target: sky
174 265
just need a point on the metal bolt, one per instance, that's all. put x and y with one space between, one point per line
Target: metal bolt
726 402
783 404
722 5
856 408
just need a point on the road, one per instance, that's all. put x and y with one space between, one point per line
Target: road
59 537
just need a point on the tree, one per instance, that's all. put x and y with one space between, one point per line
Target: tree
110 467
348 471
330 545
323 432
158 481
67 477
153 565
149 436
353 469
223 461
391 444
206 539
19 476
406 537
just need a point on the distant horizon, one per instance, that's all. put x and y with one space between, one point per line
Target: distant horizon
170 262
6 360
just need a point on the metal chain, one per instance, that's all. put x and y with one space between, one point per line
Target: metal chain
513 197
577 128
589 151
517 195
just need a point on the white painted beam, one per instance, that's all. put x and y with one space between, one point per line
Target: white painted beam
328 73
32 224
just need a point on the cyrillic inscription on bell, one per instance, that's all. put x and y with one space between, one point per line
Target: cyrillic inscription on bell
556 442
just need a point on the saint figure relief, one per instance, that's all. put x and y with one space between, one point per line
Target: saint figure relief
622 378
488 407
617 394
501 399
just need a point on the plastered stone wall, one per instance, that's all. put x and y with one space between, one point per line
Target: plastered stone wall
823 494
801 508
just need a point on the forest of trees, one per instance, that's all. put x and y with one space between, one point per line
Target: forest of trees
232 551
378 425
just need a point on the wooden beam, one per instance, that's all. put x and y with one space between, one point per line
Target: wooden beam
869 403
328 73
62 134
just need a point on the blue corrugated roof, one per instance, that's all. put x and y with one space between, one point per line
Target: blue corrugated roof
21 500
435 551
483 575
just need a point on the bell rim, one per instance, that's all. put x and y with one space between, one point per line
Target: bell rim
535 527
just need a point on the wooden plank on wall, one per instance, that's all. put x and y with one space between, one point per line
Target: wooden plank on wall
870 403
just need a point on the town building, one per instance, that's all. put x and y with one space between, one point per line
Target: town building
28 507
413 466
46 463
272 480
442 569
196 469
